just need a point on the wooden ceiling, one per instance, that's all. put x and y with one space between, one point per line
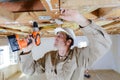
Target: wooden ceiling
16 17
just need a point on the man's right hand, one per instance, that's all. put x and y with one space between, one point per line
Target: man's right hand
29 47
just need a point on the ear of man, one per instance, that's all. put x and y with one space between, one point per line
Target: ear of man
68 42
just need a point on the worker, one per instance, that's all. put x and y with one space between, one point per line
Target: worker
68 63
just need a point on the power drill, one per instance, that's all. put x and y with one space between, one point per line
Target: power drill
17 44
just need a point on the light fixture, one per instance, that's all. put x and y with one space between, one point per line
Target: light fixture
45 17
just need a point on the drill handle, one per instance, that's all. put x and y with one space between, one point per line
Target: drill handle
37 39
29 41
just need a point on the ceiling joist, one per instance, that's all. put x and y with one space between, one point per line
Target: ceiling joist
6 13
95 3
110 13
23 6
52 7
112 25
7 31
17 17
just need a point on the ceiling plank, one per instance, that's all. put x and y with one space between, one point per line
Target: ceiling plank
24 12
17 27
4 20
86 6
95 3
113 32
23 6
90 16
112 13
52 7
6 13
87 9
103 22
114 25
8 31
31 16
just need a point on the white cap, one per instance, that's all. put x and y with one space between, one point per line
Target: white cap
68 31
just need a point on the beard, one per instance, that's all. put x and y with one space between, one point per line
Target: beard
58 44
55 44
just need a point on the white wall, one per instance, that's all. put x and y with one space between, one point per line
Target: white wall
45 46
116 52
3 41
106 62
8 70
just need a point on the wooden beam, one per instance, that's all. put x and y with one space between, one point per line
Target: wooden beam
103 22
26 17
8 31
114 31
6 13
71 25
17 27
4 20
112 25
90 16
23 6
11 10
86 6
109 13
86 9
52 7
113 13
95 3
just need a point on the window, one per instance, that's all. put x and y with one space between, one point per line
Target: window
7 57
4 56
13 57
1 57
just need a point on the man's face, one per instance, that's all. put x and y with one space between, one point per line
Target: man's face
60 40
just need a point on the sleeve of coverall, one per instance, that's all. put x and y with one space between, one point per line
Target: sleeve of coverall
29 65
99 43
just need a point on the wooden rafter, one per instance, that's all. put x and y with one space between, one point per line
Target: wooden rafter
6 13
9 31
17 17
52 7
90 16
86 6
11 10
110 13
95 3
112 25
31 16
103 22
18 27
23 6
